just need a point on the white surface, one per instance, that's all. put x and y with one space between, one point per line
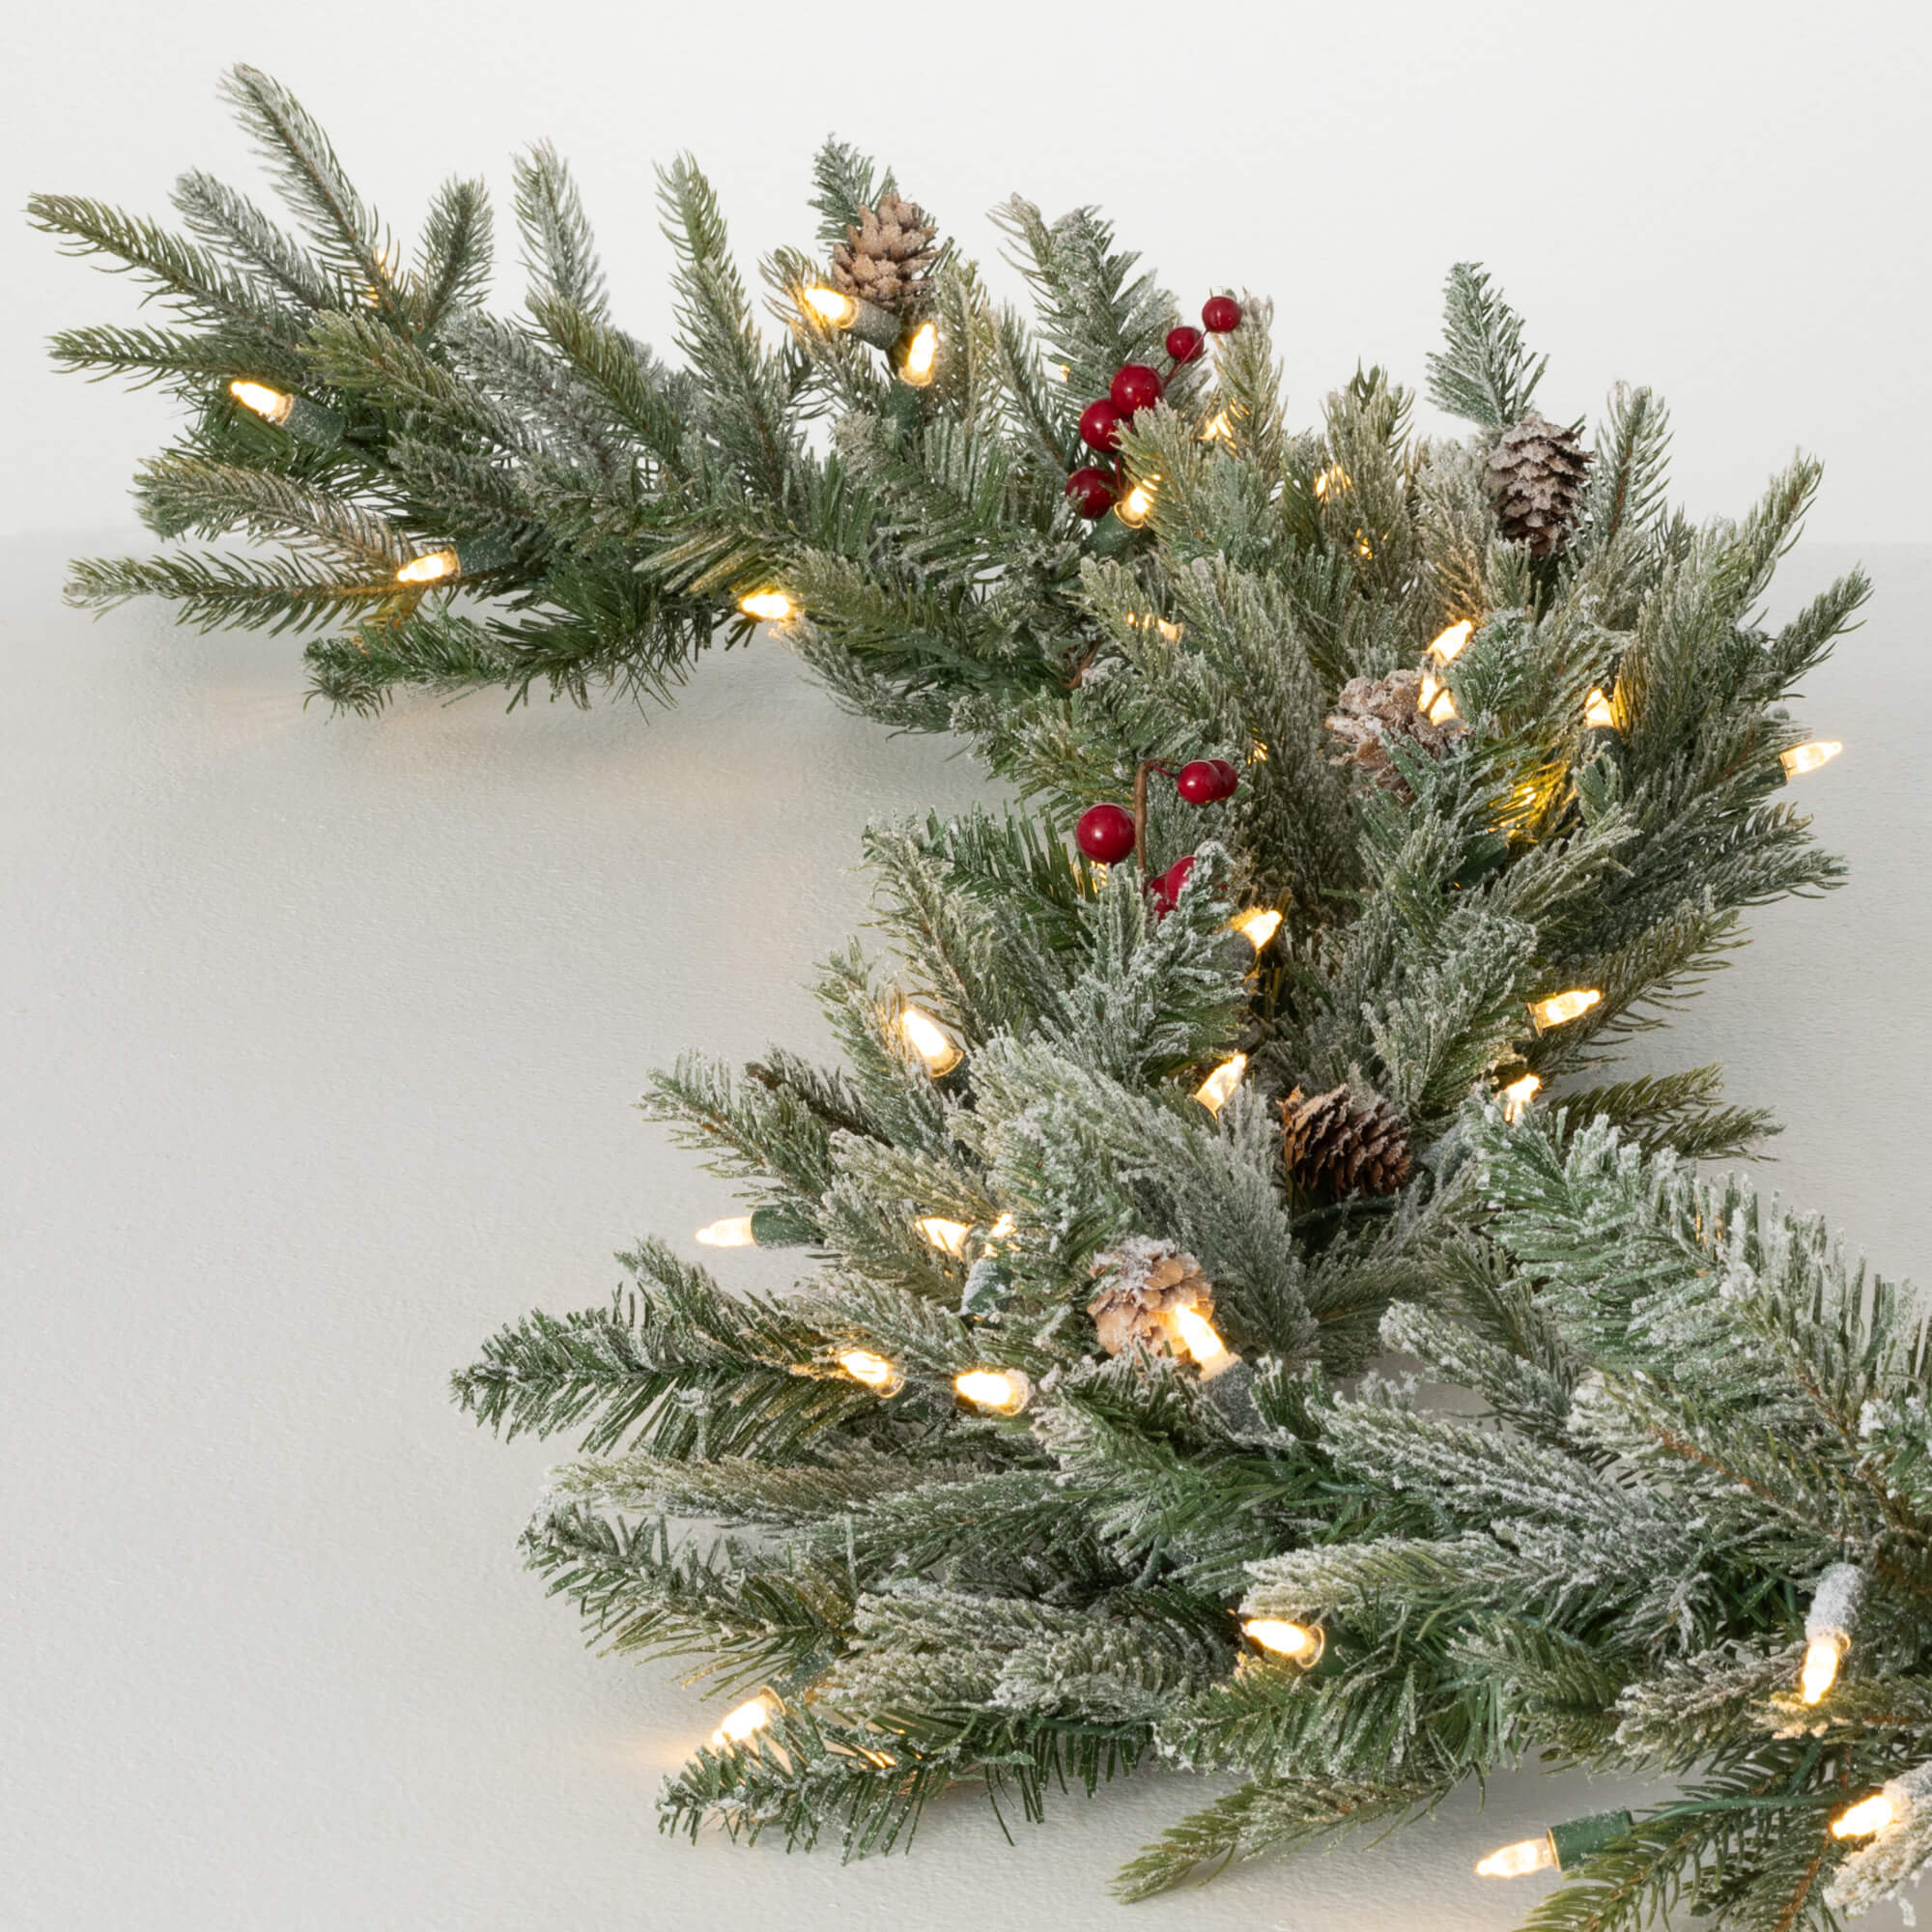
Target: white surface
1648 180
320 1039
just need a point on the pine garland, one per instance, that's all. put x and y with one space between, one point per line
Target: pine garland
1209 1547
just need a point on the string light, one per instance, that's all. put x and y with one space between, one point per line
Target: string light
997 1391
434 566
1560 1009
1449 644
1258 753
1135 507
734 1232
1259 927
874 1371
271 405
1821 1668
1518 1861
1002 1228
931 1042
920 357
1434 700
1215 1091
1835 1599
768 606
1217 429
1517 1094
1060 372
1597 713
829 306
1803 758
1335 479
746 1722
1197 1335
1868 1817
1286 1639
948 1237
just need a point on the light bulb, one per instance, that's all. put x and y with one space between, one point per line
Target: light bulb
1259 927
1442 710
1560 1009
874 1371
1284 1638
1334 478
1597 713
999 1391
745 1721
1803 758
1867 1816
1197 1335
433 567
1518 1860
1426 692
1214 1092
1258 753
1821 1668
271 405
1518 1095
1451 641
1060 372
768 606
1217 429
921 353
734 1232
948 1237
931 1042
1135 507
1170 633
829 306
1003 1228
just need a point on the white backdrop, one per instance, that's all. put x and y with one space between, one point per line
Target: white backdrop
1723 201
319 1042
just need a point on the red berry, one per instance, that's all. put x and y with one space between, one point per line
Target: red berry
1105 833
1185 344
1230 778
1219 314
1101 426
1134 388
1199 783
1091 491
1167 888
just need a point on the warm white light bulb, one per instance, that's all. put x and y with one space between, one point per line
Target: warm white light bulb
1284 1638
1217 428
1518 1860
1135 507
1597 713
1451 641
1332 480
829 306
1560 1009
999 1391
929 1040
1060 372
1821 1668
734 1232
768 606
1197 1335
1003 1228
922 353
430 568
1259 927
745 1721
271 405
1867 1816
1517 1094
1214 1092
874 1371
1803 758
948 1237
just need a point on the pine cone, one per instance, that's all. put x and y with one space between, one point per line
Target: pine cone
1142 1283
1335 1146
884 260
1373 712
1536 482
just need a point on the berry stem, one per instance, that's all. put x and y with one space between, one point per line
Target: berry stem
1141 772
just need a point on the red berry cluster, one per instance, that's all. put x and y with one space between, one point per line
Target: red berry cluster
1136 387
1105 833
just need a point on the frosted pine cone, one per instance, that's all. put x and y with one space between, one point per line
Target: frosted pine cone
1142 1283
1372 713
884 260
1334 1144
1536 481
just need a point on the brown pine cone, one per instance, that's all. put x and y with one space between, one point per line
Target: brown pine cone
884 260
1142 1283
1336 1145
1536 481
1373 712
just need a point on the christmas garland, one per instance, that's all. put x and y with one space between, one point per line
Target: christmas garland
1406 777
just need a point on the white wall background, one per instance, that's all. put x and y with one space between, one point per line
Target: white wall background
318 1037
1727 201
